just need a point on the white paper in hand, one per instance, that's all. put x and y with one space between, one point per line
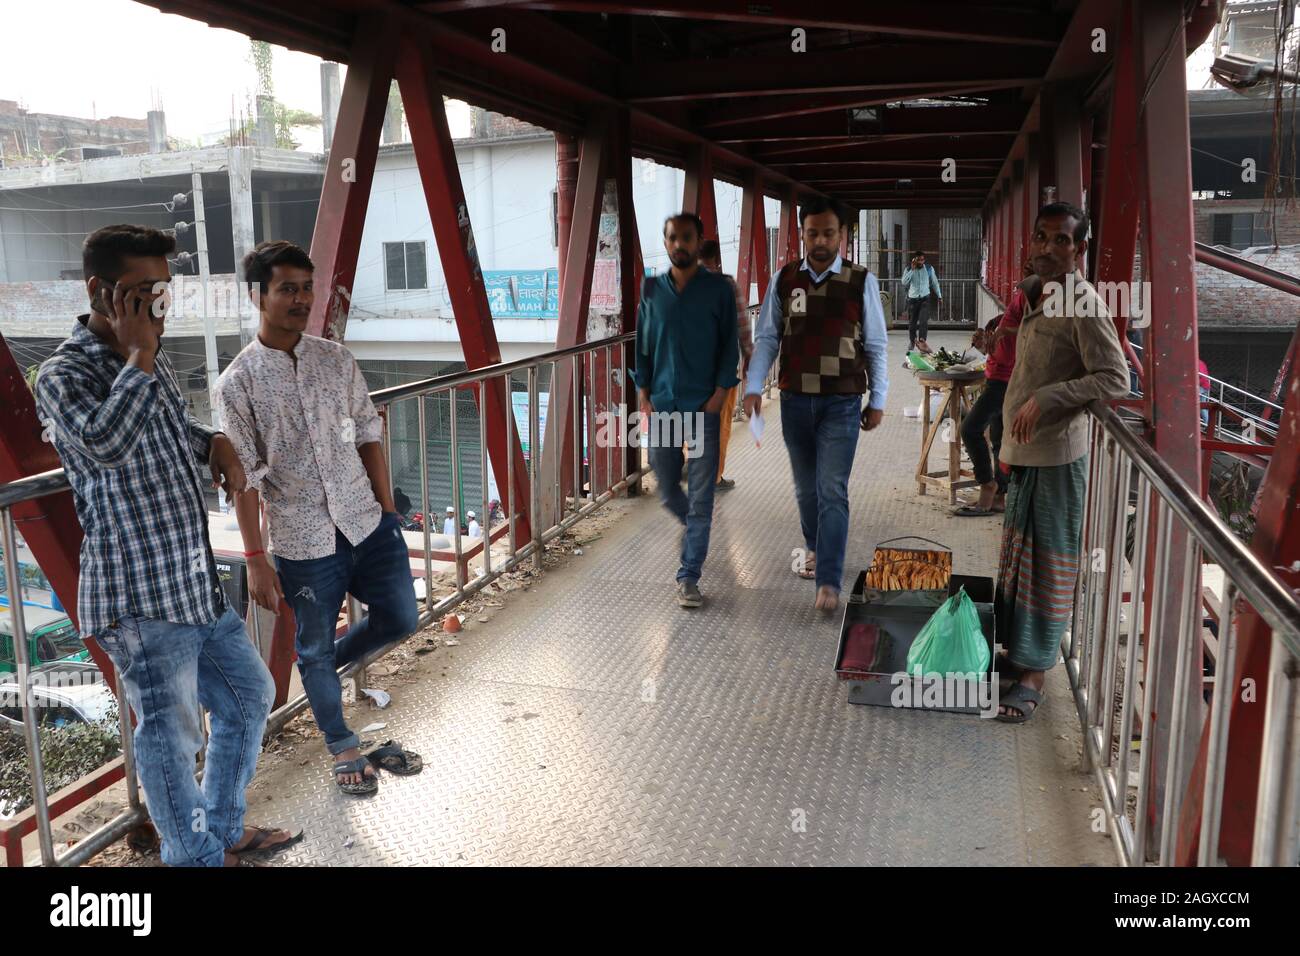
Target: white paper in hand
756 428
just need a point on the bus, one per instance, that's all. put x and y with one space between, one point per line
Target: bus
51 637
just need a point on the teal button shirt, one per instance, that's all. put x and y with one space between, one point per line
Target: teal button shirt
686 344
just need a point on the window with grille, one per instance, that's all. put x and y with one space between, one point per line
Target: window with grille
1240 230
405 265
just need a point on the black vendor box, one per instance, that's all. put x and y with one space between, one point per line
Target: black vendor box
877 632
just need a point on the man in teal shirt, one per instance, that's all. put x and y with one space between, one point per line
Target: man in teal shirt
920 284
686 358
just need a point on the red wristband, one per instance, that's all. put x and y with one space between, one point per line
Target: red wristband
253 554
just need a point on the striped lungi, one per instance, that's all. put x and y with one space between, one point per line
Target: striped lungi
1039 562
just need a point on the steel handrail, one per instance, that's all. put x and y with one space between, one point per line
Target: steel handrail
441 383
1264 591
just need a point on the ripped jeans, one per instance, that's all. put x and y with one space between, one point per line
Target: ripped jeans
170 672
377 572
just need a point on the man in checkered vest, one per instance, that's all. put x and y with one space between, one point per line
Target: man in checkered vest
823 317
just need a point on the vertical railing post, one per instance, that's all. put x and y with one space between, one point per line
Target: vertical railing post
421 424
22 666
486 524
533 449
1220 721
577 433
510 468
458 499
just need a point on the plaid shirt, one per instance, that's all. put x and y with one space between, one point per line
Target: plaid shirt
131 452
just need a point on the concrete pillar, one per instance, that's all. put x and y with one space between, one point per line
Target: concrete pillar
264 129
239 165
392 122
329 101
157 121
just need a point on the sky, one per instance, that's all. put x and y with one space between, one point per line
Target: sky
137 56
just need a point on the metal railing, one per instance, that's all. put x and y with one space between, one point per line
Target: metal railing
604 358
959 306
1246 410
16 492
1131 490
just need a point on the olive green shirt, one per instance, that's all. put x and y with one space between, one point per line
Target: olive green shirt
1067 355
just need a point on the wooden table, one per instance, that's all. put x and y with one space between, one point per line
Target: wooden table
959 395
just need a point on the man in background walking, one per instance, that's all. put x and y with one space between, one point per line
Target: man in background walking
686 357
711 259
922 287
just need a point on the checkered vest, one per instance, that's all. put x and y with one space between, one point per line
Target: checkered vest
821 343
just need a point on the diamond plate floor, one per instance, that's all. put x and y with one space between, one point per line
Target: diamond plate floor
609 727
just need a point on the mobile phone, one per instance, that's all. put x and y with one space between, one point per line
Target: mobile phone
103 296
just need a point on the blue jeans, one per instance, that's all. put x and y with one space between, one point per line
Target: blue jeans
821 435
694 507
377 572
169 671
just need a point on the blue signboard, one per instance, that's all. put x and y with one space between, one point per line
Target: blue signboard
523 294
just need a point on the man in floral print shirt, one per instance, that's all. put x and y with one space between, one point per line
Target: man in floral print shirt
299 414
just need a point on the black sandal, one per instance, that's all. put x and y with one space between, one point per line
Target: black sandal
369 782
1018 698
391 757
259 846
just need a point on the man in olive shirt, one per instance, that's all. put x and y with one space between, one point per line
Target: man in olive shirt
1067 355
686 359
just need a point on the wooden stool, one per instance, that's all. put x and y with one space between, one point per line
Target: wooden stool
958 397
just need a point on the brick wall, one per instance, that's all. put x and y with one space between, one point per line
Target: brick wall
1224 300
485 124
1288 220
22 133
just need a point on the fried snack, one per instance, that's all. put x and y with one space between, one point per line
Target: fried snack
905 569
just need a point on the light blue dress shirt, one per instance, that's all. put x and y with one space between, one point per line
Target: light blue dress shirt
875 339
919 283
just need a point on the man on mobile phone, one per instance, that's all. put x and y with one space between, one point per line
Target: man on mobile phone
923 295
300 416
149 592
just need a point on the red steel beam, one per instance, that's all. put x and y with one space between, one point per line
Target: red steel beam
1169 264
435 156
946 21
630 272
721 115
575 301
566 178
349 172
1241 266
1117 243
762 270
896 123
1009 271
751 204
890 68
698 193
788 230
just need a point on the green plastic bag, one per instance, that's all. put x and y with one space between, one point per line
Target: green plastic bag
951 642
